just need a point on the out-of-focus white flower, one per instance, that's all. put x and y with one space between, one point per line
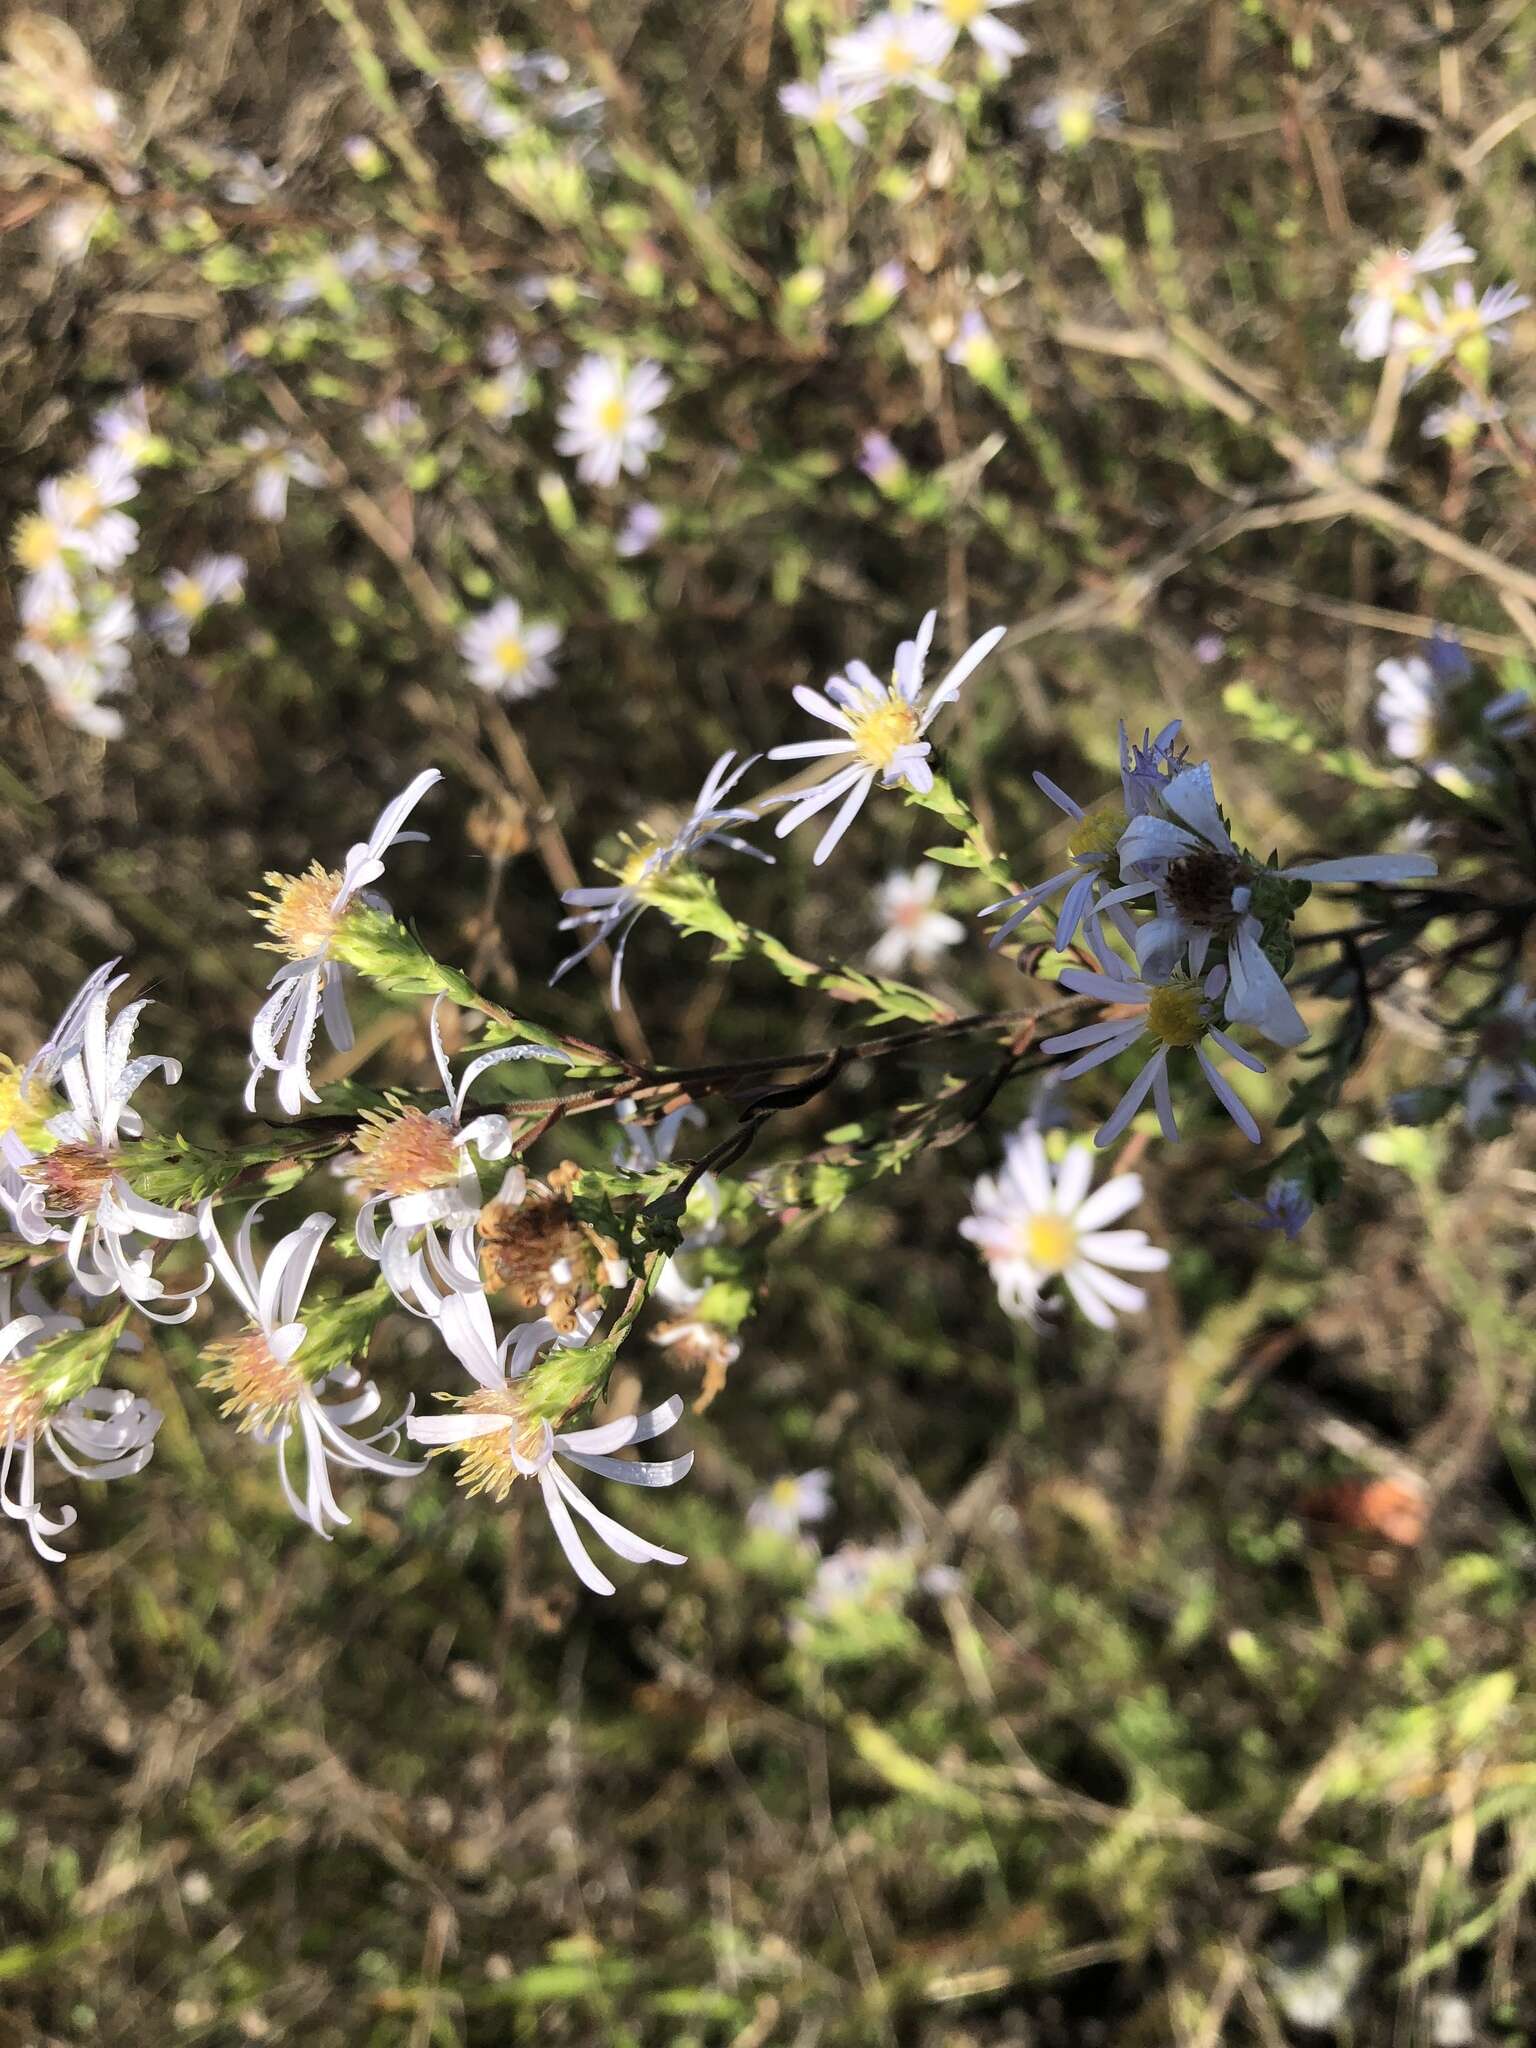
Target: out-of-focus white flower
1451 2021
1034 1227
508 392
304 914
365 156
978 19
262 1375
1204 889
82 508
1464 325
975 348
76 686
1385 284
1071 119
417 1163
882 727
1460 425
1286 1207
247 181
89 1204
499 1440
102 1433
642 1149
606 421
125 429
67 228
1315 1994
642 528
915 928
896 49
882 461
1502 1071
395 427
190 594
830 101
1177 1015
1093 849
791 1502
614 908
508 655
276 466
1408 705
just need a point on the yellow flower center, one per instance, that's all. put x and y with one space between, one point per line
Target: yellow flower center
898 57
1099 830
613 415
405 1154
37 543
73 1178
262 1388
511 655
188 598
1050 1243
486 1462
785 1493
25 1107
879 735
299 913
962 12
1075 121
1176 1014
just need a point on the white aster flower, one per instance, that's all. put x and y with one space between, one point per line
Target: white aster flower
641 530
191 594
68 627
1034 1227
500 1441
1464 325
125 429
103 1433
82 506
276 466
1205 889
896 49
882 727
89 1204
652 859
1093 856
1385 285
791 1502
1177 1015
304 915
1408 705
508 655
978 19
829 100
267 1390
606 420
915 928
1461 424
76 685
1071 119
417 1163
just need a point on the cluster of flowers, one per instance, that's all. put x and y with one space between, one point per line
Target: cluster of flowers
907 47
439 1246
77 611
1160 917
607 422
1393 310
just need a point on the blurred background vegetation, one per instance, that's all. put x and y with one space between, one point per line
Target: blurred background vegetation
1193 1737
